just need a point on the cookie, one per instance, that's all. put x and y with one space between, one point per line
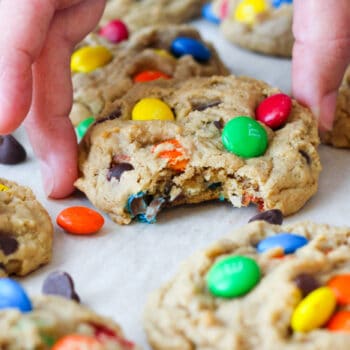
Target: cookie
139 14
261 287
132 168
26 231
340 134
258 25
148 50
54 322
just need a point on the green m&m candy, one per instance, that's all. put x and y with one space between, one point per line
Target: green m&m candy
233 276
244 137
83 127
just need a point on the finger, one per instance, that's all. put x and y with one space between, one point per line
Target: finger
321 54
49 128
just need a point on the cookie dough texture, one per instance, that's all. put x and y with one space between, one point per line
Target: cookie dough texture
92 91
340 134
139 14
26 231
284 178
51 319
271 34
183 315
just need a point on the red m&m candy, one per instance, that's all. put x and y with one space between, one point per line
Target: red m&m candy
150 75
340 322
114 31
77 342
274 110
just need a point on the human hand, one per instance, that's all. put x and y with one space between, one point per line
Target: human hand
321 54
36 41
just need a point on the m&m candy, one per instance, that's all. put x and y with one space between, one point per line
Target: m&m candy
233 276
149 75
83 127
279 3
89 58
80 220
77 341
340 285
13 296
3 188
274 110
244 137
115 31
209 15
152 109
188 46
248 10
289 242
340 322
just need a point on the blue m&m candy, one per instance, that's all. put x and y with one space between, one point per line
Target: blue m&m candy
289 242
13 296
188 46
209 15
279 3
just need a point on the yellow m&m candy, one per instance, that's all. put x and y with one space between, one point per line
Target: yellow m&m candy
247 10
3 188
152 109
163 53
314 310
89 58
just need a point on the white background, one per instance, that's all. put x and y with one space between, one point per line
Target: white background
115 270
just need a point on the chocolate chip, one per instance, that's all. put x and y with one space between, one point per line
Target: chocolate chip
153 209
11 151
117 170
306 156
114 115
137 204
273 216
201 106
219 124
60 283
8 244
214 186
306 283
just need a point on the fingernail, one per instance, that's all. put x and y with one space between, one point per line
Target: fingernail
48 179
327 111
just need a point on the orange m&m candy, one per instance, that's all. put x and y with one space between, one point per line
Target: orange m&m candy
340 322
150 75
340 285
80 220
77 342
174 152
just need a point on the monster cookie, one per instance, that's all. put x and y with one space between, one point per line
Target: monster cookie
170 143
340 134
259 25
264 286
104 71
139 14
53 322
26 231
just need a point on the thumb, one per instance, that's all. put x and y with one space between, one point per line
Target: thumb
321 54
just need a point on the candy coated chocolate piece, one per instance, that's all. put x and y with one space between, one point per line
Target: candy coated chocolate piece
209 15
117 170
306 283
289 242
273 216
13 296
279 3
11 151
80 220
340 322
233 276
150 75
274 110
248 10
115 31
152 109
340 285
83 127
60 283
314 310
244 137
188 46
78 342
89 58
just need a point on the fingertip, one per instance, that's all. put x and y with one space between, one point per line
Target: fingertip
327 111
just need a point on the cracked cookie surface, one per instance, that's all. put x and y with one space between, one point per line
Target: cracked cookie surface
271 32
93 90
54 318
139 14
184 315
133 168
26 231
